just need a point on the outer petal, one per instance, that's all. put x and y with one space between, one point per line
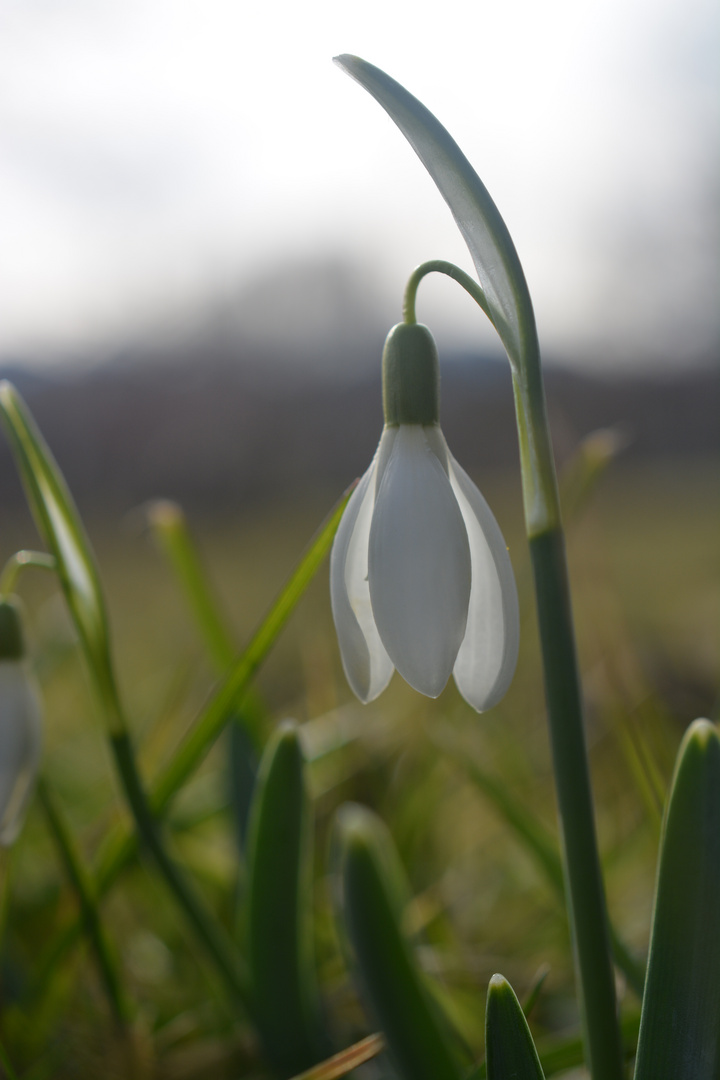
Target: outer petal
20 741
366 663
487 657
419 564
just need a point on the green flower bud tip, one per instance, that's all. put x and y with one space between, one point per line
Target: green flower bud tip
411 376
11 636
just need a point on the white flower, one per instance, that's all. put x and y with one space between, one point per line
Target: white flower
20 739
20 727
420 576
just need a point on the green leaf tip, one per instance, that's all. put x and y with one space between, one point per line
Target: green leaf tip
60 525
279 923
373 893
510 1050
476 215
679 1031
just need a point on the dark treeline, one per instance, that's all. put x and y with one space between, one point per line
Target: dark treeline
215 431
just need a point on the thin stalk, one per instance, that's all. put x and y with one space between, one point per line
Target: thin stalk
82 886
121 847
581 862
171 532
19 561
208 930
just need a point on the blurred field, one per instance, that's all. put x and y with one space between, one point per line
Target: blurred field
646 590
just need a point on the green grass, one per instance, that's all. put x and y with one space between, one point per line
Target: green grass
646 593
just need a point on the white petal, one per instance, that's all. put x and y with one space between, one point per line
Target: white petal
367 666
20 741
486 661
419 564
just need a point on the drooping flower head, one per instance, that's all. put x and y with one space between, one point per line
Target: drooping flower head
20 726
420 575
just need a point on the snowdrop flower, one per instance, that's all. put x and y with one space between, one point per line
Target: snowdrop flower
20 726
420 576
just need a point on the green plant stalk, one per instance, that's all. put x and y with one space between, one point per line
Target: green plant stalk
583 878
60 524
279 937
121 847
207 929
19 561
581 864
82 886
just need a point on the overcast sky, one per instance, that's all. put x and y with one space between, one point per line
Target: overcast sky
156 155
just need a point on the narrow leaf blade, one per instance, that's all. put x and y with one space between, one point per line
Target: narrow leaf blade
279 942
372 889
59 523
680 1025
509 1047
483 229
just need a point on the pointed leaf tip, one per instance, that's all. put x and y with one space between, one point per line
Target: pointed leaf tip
510 1050
476 215
679 1033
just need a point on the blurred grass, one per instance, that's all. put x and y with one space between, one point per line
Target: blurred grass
646 593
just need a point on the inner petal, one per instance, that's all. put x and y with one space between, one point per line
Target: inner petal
487 657
419 564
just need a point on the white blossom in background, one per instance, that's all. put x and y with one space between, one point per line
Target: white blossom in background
20 726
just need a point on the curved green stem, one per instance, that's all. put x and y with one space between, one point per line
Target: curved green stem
581 864
18 562
441 266
540 491
82 886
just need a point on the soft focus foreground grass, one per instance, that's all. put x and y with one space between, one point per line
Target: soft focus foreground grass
643 559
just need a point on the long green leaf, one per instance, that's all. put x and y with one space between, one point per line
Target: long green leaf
80 882
680 1025
171 532
558 1054
509 1047
478 219
279 937
121 846
60 526
373 892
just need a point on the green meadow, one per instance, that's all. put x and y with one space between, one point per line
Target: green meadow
459 792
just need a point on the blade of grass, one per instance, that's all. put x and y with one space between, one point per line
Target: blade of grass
121 846
509 1047
543 848
60 525
170 529
279 909
373 895
341 1064
680 1026
557 1054
80 882
62 528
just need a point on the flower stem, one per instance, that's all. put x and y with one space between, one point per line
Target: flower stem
221 950
18 562
583 877
581 862
82 887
